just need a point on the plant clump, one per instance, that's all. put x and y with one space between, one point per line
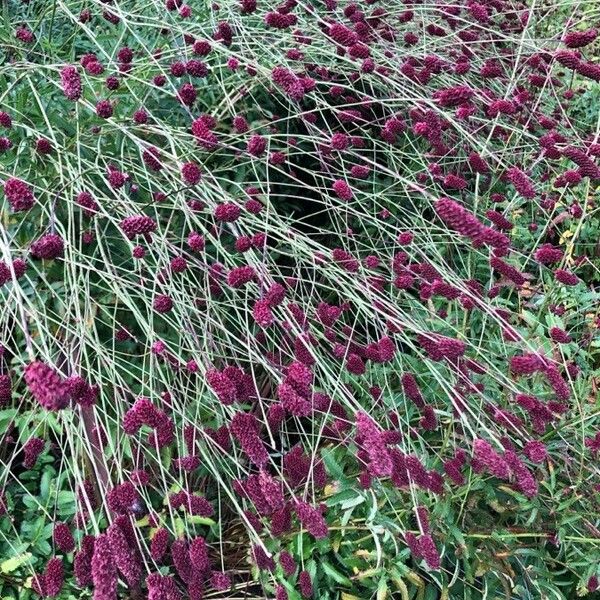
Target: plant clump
299 301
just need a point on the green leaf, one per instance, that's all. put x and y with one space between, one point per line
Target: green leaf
382 589
341 497
335 575
179 526
197 520
45 485
31 501
332 465
43 547
352 502
12 564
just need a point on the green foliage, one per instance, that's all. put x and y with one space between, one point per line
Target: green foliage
90 312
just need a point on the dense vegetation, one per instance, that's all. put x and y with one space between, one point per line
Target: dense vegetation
299 300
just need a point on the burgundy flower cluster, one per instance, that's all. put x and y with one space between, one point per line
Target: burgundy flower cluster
46 385
507 466
301 290
231 384
19 194
143 412
462 221
138 225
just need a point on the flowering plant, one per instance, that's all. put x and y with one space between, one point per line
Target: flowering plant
299 300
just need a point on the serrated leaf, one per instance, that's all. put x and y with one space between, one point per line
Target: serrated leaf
43 547
12 564
143 521
341 496
197 520
332 465
179 527
382 589
352 502
335 575
30 501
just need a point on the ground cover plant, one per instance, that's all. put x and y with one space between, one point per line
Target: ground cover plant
299 300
